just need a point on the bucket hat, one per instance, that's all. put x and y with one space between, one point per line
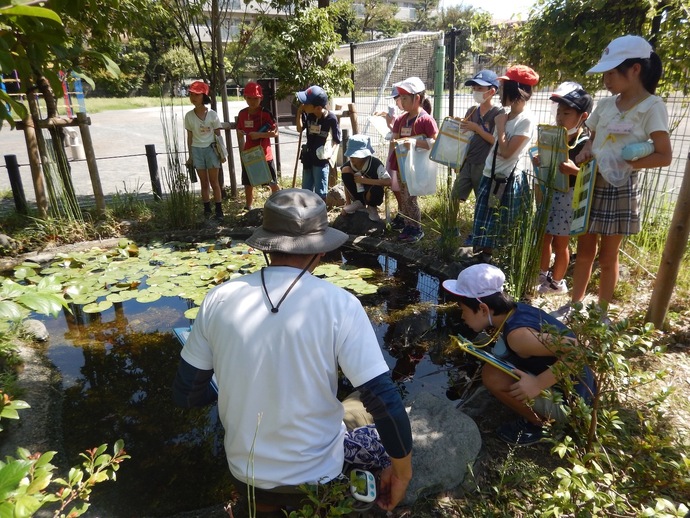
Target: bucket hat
314 95
476 281
296 222
199 87
620 49
359 146
483 78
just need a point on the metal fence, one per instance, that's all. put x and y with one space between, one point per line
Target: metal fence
381 63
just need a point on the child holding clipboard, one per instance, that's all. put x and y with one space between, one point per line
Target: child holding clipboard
534 340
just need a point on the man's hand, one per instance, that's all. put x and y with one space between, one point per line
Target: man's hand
393 483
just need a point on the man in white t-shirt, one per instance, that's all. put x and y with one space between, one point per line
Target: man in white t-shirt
275 340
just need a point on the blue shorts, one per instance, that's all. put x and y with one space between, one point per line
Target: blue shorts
205 158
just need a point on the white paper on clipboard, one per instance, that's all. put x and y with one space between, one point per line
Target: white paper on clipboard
380 125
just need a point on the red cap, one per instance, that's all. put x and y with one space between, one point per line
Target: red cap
199 87
253 89
521 74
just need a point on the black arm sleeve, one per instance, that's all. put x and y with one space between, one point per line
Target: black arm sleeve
192 386
382 400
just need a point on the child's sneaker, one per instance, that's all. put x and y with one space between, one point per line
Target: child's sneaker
543 278
373 213
398 222
412 236
551 287
353 207
520 432
563 313
405 233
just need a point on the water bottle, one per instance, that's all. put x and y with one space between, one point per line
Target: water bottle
638 150
360 187
264 128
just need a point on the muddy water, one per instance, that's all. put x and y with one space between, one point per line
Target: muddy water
118 366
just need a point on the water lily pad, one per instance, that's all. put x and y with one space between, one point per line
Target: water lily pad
148 296
97 307
191 313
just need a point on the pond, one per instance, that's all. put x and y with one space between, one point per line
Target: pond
117 366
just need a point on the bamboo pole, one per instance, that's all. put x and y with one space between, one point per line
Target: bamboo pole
676 243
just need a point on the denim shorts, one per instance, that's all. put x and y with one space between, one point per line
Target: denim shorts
205 158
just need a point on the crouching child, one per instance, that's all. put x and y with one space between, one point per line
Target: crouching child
535 342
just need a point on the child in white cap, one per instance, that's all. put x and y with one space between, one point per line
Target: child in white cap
364 177
633 114
534 340
416 123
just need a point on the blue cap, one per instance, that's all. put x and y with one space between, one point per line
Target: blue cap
314 95
483 78
359 146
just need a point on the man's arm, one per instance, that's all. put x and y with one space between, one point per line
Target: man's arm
192 386
382 400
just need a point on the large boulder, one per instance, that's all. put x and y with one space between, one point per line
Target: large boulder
446 442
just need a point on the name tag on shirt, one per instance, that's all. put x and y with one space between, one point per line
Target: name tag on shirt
621 127
405 132
315 129
248 123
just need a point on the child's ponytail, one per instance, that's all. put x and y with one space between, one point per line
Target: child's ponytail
426 104
652 73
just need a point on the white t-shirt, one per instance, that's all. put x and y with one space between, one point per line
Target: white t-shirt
635 125
522 125
278 372
202 130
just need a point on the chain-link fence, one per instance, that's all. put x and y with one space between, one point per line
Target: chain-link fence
379 64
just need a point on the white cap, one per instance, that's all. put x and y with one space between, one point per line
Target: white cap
411 85
476 281
620 49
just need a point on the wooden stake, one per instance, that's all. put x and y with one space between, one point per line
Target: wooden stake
676 243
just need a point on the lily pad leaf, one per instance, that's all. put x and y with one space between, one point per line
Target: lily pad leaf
148 296
97 307
191 313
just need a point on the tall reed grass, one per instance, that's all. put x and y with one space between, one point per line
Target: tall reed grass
180 202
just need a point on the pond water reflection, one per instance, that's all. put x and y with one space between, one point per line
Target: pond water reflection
118 365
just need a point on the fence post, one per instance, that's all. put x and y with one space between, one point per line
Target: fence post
84 122
438 80
16 183
676 241
451 71
153 171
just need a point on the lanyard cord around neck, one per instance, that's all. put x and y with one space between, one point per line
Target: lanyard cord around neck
497 332
274 309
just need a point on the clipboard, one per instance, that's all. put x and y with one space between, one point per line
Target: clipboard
553 150
452 143
582 197
485 356
254 161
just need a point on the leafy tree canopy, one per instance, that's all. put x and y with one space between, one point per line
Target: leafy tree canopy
564 38
303 53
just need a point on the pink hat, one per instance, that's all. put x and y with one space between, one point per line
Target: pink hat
199 87
253 89
521 74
